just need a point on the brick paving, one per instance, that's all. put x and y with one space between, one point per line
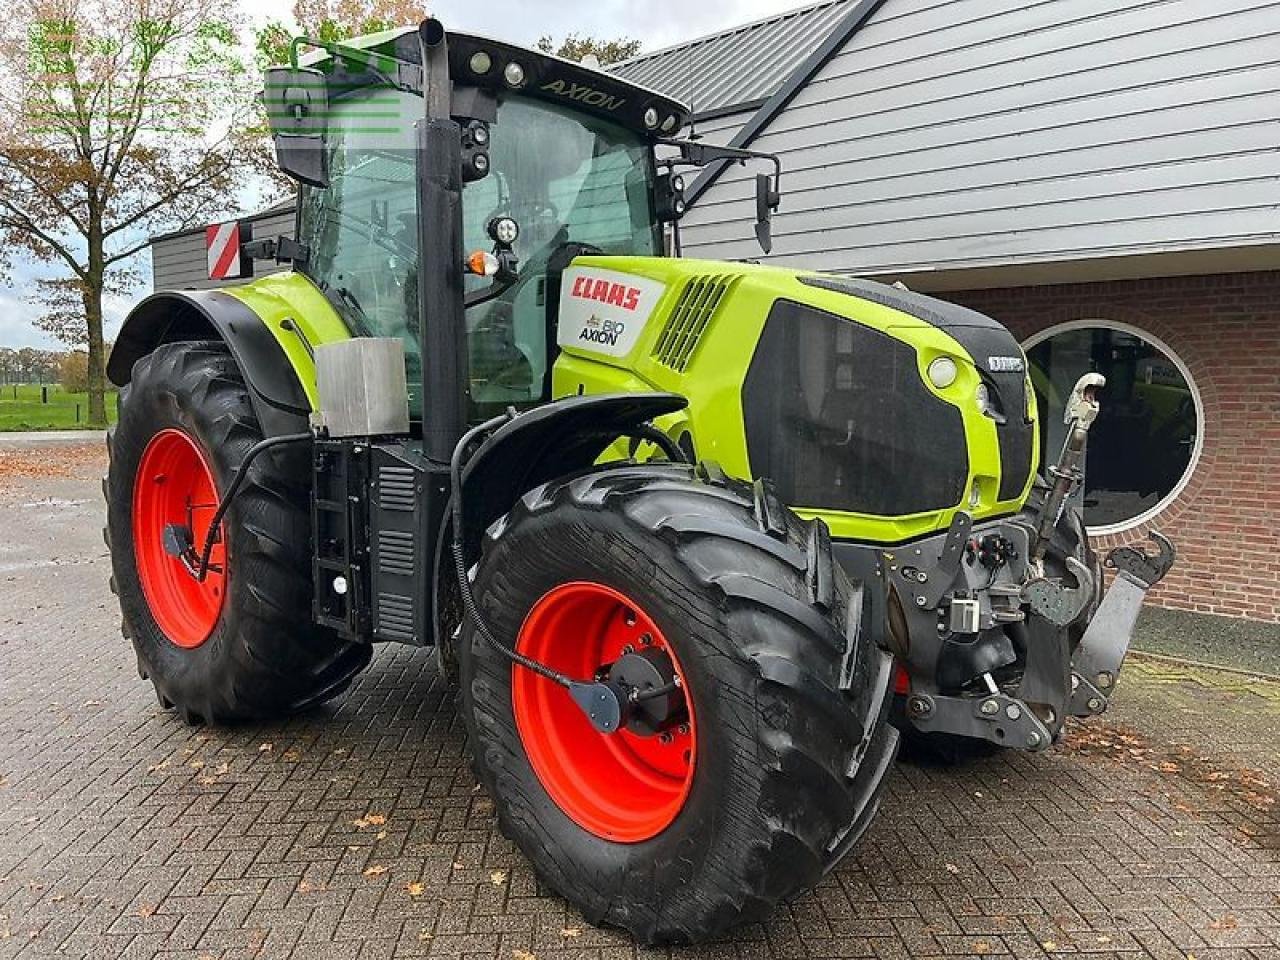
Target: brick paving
359 832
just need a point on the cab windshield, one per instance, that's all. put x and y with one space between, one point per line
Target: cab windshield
566 178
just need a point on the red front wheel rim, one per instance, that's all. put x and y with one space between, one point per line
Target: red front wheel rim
623 786
174 484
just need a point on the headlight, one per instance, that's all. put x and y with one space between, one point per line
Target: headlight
481 62
504 230
942 372
651 118
513 73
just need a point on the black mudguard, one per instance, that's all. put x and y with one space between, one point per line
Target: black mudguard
550 441
177 315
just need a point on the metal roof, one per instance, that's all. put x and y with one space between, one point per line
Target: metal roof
739 68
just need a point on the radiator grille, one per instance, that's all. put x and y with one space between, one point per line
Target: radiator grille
395 488
395 617
688 321
395 552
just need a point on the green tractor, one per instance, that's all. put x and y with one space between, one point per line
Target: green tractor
694 538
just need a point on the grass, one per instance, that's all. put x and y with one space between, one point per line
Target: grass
21 408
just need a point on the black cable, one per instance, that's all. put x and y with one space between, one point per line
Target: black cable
647 431
460 563
200 570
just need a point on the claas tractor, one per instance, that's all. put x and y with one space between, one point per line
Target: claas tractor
695 539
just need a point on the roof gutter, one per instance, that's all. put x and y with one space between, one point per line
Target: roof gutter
861 12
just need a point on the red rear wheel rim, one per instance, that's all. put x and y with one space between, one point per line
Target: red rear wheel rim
622 786
175 485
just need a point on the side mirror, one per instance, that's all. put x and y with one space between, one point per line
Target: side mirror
297 103
767 200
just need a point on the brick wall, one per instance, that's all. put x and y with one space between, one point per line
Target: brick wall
1226 329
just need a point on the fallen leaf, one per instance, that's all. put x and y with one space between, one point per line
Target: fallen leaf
156 767
416 889
57 898
223 768
1048 946
382 835
265 747
952 868
148 909
424 934
306 886
291 756
375 871
376 819
207 781
519 954
498 877
571 932
982 947
1104 939
458 865
1227 922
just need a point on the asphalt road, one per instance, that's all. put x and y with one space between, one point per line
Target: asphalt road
359 832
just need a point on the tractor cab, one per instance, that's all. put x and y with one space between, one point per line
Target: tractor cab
558 159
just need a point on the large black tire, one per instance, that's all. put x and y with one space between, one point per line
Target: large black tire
790 765
264 657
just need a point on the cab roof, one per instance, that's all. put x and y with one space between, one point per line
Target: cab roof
546 77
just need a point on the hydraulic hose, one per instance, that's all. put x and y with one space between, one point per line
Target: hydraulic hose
200 569
460 563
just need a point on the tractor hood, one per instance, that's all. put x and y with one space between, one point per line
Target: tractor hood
855 397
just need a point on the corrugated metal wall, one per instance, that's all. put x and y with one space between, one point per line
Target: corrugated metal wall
973 132
179 262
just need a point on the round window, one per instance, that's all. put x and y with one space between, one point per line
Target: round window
1145 442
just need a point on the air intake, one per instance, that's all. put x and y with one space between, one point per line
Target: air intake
689 319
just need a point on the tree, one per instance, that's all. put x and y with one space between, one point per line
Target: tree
334 21
73 371
119 119
575 47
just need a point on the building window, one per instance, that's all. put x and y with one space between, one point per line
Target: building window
1145 442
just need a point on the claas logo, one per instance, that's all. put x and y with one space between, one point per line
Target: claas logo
615 294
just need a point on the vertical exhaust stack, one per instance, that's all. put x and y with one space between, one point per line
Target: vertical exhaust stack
441 318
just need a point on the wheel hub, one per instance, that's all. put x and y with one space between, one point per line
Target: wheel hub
174 490
617 755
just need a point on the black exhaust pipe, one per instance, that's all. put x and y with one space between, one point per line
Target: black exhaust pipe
442 332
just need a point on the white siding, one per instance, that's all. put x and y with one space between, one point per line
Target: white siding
179 263
969 133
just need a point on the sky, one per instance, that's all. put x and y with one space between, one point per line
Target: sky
656 23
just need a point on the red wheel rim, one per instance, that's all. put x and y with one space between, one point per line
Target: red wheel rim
622 786
175 485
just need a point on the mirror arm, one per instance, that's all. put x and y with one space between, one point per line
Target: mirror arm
390 70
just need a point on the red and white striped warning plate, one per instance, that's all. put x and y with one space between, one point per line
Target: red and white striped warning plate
222 244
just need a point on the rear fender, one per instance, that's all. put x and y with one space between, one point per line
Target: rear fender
275 390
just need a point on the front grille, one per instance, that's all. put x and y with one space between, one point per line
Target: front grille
837 415
688 321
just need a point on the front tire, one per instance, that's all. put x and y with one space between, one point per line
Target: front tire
241 644
774 768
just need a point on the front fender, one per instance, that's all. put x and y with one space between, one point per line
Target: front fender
550 441
172 316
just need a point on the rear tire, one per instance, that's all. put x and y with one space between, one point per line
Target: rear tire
257 655
787 767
